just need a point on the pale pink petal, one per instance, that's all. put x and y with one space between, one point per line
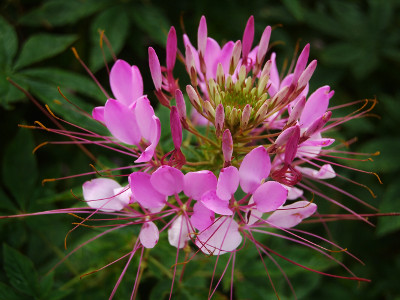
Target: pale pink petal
149 235
325 172
228 182
180 104
99 194
227 145
263 46
197 183
255 167
316 106
223 236
124 194
144 113
126 82
144 192
178 233
167 180
98 113
148 153
217 205
270 196
293 192
202 217
121 122
290 215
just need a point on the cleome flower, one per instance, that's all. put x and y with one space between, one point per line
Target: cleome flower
249 155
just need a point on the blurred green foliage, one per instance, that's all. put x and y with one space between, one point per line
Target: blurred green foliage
357 44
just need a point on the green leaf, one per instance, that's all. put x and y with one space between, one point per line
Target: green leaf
42 46
115 23
19 167
5 202
67 80
60 12
151 20
8 43
390 203
8 293
295 8
20 271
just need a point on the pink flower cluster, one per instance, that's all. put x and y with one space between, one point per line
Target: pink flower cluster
246 149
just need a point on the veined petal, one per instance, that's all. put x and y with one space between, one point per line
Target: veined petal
167 180
202 217
144 192
121 122
228 182
270 196
223 236
214 203
178 233
197 183
325 172
255 167
126 82
290 215
100 194
149 235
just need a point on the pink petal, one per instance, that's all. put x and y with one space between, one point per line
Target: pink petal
254 214
167 180
99 194
148 153
325 172
155 68
301 63
226 55
263 46
293 192
144 113
126 82
144 192
180 104
176 127
211 56
270 196
121 122
197 183
202 217
178 233
228 182
248 37
227 146
149 235
290 215
172 45
274 81
223 236
217 205
316 106
98 114
255 167
202 35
